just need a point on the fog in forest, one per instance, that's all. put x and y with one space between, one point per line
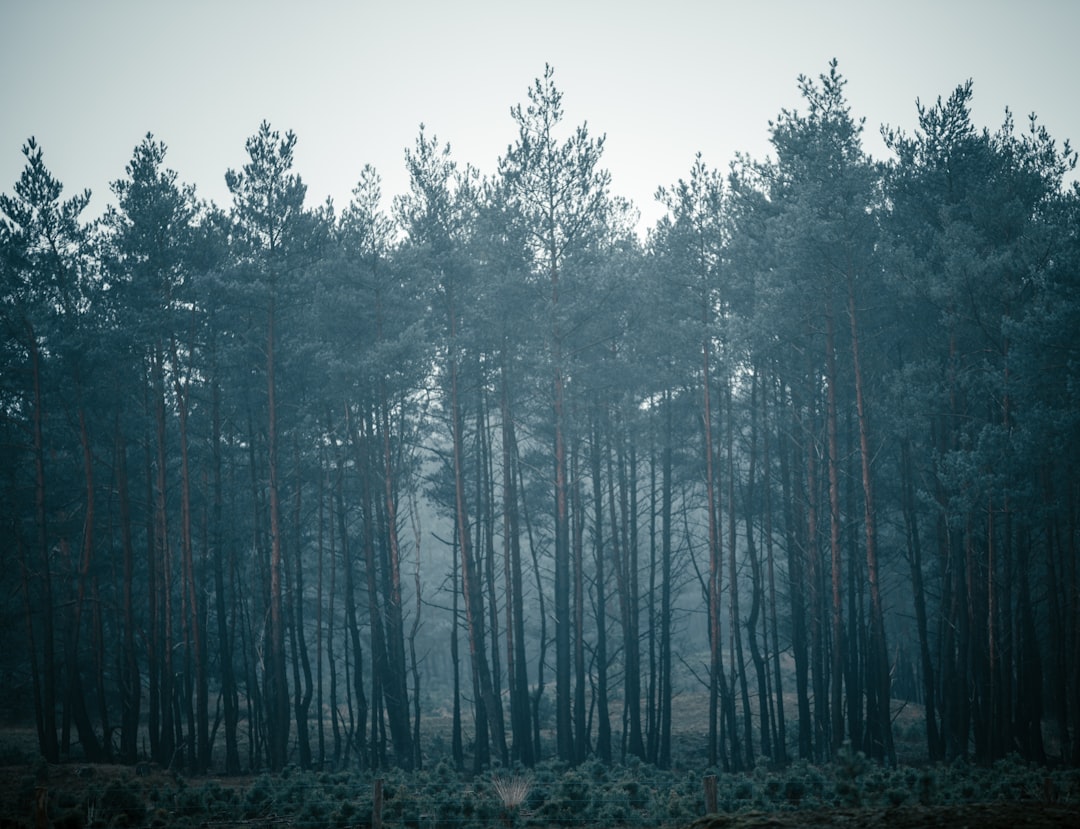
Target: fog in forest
486 473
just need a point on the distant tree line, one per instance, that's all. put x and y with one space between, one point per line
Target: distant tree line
826 415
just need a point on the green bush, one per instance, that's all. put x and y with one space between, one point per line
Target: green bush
590 796
122 804
260 798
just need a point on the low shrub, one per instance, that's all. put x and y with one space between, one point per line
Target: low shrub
122 804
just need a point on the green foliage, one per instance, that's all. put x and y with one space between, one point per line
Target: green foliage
122 804
260 797
590 795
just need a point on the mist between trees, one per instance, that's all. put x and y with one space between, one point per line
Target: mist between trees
283 484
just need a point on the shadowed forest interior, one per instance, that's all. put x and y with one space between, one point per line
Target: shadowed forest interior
284 483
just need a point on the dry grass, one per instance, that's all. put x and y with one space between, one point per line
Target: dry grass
512 791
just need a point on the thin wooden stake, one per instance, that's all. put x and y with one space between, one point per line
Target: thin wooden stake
710 794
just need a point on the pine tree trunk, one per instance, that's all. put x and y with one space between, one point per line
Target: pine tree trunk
757 597
396 688
715 564
603 729
564 727
880 719
779 754
277 687
795 524
485 486
352 627
161 565
836 705
738 658
666 574
815 585
320 548
522 749
50 748
582 744
302 679
198 727
130 680
75 701
365 461
471 587
225 610
457 747
626 559
935 747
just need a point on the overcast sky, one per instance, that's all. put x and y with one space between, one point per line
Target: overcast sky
663 79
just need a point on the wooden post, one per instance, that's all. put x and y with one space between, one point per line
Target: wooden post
41 808
376 805
710 794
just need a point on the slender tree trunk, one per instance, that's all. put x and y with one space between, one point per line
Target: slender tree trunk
198 728
881 739
816 602
486 723
836 723
225 609
396 687
715 560
130 678
517 670
320 548
779 754
256 588
457 746
1029 698
351 624
418 758
582 744
162 564
665 694
625 550
652 688
855 641
935 748
331 628
75 698
365 453
538 691
277 686
795 524
1056 586
304 688
1073 620
485 485
757 596
31 641
98 627
50 748
563 711
739 660
603 726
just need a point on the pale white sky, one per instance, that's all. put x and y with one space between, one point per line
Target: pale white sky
663 79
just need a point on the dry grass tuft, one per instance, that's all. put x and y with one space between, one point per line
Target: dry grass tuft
512 791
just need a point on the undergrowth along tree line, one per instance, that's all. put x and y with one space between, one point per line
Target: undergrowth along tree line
264 466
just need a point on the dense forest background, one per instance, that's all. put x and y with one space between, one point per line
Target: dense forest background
279 480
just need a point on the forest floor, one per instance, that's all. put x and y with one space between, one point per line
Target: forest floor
69 787
1019 815
76 795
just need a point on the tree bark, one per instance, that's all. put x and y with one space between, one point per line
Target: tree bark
879 720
